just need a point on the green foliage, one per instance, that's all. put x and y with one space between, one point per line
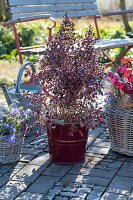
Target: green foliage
107 33
30 33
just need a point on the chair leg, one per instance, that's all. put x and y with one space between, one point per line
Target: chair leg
50 28
17 43
109 59
116 60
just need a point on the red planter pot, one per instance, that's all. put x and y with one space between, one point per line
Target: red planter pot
65 148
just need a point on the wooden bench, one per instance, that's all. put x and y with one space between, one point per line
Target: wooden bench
23 10
18 14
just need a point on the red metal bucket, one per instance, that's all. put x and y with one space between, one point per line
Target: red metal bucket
65 148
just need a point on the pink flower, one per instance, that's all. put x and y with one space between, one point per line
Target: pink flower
127 88
121 71
120 85
110 75
126 62
128 75
115 79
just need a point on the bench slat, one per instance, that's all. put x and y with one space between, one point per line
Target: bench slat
119 12
44 2
38 51
34 9
61 14
29 18
105 44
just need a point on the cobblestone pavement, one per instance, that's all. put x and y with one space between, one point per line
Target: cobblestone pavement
105 175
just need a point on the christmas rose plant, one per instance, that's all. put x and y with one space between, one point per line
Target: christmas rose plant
71 78
121 93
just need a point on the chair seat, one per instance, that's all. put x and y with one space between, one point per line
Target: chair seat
105 44
36 51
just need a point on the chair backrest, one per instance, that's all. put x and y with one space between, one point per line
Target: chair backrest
57 8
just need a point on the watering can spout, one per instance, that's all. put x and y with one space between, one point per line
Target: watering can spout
7 96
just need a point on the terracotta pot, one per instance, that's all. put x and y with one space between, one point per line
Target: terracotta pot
65 148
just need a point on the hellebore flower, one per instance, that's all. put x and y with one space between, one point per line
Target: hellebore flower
110 75
115 79
119 84
127 88
128 75
126 62
121 71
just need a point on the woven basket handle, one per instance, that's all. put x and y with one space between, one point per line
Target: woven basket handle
20 75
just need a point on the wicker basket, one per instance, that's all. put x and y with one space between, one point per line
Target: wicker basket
10 151
120 124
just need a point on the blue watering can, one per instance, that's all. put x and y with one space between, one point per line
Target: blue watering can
16 94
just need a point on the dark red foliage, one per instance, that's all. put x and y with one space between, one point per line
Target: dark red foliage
70 76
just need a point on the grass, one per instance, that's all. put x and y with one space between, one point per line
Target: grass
8 74
8 70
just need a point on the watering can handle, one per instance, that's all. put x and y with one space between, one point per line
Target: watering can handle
20 75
